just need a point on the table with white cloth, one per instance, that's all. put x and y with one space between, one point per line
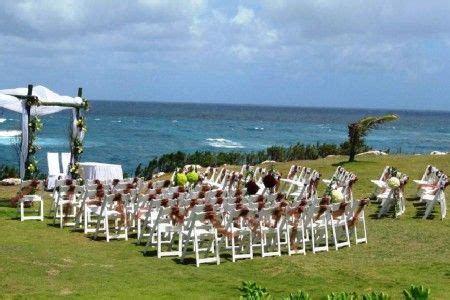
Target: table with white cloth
100 171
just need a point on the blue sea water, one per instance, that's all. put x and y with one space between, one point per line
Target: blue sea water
127 133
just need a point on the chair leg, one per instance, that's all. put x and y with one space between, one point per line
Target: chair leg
313 240
61 215
251 243
159 244
278 242
216 244
334 236
197 256
85 221
347 234
429 209
22 212
288 238
41 212
139 230
233 250
106 222
180 243
303 240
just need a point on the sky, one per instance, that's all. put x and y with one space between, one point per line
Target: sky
349 53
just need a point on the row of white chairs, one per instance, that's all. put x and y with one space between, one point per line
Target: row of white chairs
431 191
241 229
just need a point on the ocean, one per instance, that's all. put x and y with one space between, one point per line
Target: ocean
128 133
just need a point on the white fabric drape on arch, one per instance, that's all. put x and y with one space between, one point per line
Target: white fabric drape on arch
44 95
76 132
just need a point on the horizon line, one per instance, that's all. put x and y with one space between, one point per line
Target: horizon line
272 105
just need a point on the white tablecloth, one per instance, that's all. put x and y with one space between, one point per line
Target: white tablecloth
100 171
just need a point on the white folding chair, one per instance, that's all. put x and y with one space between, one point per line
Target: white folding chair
67 204
438 196
240 233
269 233
198 229
317 223
54 170
110 211
166 232
295 230
358 217
27 200
339 226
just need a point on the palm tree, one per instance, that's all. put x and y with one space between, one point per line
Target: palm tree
358 130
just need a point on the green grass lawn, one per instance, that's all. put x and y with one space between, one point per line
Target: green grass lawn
39 260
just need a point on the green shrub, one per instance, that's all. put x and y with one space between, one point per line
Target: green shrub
376 296
251 291
417 292
342 296
8 172
169 162
299 295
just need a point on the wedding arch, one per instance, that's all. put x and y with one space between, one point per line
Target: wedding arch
34 102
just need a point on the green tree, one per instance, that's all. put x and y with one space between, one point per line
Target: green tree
358 130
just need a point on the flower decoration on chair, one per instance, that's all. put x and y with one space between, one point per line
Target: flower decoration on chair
270 179
393 183
192 177
336 196
180 179
251 185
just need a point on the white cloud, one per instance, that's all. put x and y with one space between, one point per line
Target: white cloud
244 16
243 52
370 36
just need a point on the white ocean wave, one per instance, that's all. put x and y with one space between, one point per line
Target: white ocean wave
9 133
97 119
223 143
118 121
2 120
259 128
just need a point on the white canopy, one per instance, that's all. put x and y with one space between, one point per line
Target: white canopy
45 95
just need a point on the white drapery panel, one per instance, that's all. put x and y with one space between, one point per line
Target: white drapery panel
76 132
44 95
24 148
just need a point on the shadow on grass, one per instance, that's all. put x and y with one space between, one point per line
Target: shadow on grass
420 211
186 261
412 199
149 253
356 162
